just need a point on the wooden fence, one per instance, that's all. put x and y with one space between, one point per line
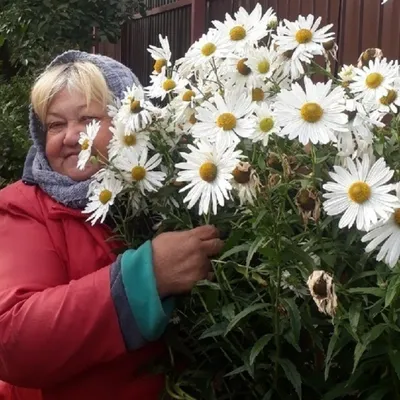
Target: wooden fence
359 24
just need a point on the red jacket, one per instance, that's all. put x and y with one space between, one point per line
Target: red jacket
59 332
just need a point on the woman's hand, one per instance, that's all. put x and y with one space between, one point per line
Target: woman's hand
181 259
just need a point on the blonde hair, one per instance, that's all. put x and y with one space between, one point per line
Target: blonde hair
82 76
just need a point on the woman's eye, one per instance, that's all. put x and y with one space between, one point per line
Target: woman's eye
88 118
53 126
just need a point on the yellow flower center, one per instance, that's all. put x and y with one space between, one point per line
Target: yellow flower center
389 98
135 106
187 96
237 33
138 173
311 112
169 84
208 172
257 94
226 121
241 176
397 216
263 67
208 49
105 196
374 80
266 124
304 36
192 119
359 192
85 144
129 139
242 68
159 64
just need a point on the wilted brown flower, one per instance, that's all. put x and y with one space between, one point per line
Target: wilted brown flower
273 180
308 204
322 290
273 161
245 182
369 55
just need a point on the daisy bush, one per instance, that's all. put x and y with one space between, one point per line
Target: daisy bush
299 168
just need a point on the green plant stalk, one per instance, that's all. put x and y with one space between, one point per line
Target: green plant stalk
277 327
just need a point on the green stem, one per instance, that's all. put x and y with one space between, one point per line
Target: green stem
277 326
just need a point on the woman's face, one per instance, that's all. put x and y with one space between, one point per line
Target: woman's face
67 116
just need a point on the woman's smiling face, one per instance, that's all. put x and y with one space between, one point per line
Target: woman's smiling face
67 116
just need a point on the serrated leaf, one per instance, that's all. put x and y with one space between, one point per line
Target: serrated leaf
243 314
295 319
259 346
215 330
292 374
295 252
378 292
354 315
392 290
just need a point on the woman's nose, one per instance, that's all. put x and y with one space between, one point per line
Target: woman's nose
72 133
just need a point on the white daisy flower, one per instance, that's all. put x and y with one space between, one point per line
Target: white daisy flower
113 108
140 171
259 94
187 98
265 124
373 82
386 233
135 112
245 29
208 169
102 196
124 140
162 84
162 56
293 66
211 47
224 121
390 102
86 141
347 74
303 36
245 183
360 193
262 62
313 115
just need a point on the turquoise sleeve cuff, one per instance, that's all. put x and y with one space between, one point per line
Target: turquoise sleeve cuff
151 314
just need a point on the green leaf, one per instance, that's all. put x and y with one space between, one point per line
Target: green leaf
243 314
354 315
358 352
329 353
378 292
392 290
236 371
268 395
373 334
215 330
253 249
295 319
379 393
291 252
259 346
291 374
395 361
228 311
234 250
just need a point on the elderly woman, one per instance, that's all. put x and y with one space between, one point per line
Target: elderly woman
76 322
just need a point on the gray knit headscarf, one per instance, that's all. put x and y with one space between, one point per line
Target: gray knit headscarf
37 170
